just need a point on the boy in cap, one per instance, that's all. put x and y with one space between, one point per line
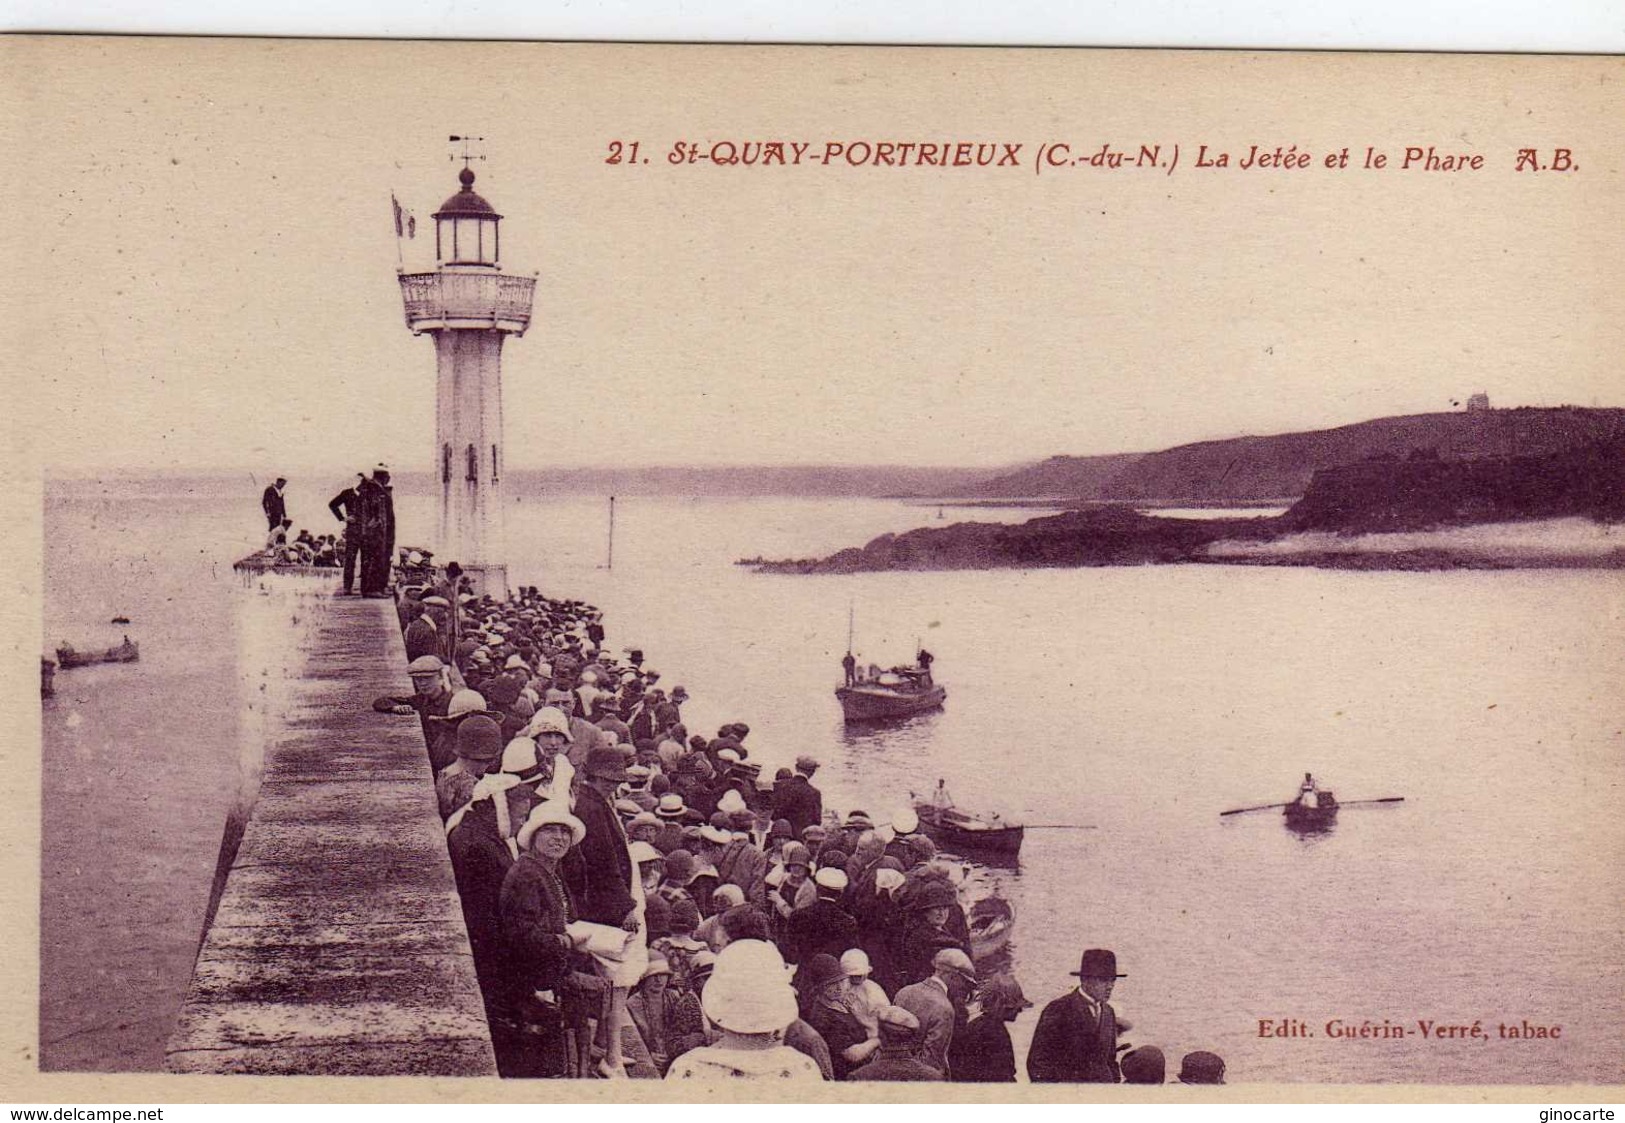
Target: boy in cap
895 1059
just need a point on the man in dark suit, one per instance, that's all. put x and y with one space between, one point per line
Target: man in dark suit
796 800
346 507
275 508
1076 1038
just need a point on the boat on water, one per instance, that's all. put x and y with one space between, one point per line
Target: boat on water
898 692
1301 816
991 920
68 656
963 832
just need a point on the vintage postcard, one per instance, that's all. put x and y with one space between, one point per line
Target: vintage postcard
721 572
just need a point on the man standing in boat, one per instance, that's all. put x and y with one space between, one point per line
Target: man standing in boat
924 659
849 664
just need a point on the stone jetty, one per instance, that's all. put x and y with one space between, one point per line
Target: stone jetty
337 946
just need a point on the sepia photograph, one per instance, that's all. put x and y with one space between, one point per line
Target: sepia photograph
737 569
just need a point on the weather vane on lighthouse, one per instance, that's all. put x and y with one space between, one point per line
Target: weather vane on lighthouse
467 158
468 305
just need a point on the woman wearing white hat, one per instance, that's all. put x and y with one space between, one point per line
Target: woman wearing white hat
535 910
748 998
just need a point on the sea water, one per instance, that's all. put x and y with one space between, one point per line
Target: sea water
1135 702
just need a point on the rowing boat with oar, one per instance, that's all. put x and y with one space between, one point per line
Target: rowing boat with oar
963 832
67 656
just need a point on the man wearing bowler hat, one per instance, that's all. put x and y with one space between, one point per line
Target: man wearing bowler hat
1076 1039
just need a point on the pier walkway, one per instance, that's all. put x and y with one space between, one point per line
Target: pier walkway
338 947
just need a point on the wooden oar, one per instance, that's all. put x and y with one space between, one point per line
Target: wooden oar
1261 807
1384 799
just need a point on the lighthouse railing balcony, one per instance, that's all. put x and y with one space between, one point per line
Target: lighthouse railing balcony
467 300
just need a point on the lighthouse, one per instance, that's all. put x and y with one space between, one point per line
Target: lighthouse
468 306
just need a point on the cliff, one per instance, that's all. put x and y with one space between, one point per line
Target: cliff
1258 469
1380 494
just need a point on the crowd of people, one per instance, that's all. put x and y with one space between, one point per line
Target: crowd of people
645 901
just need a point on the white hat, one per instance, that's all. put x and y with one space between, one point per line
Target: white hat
465 702
551 811
728 756
731 801
437 602
642 852
905 821
548 720
545 670
831 878
727 896
515 661
519 755
589 676
749 989
712 834
887 881
855 961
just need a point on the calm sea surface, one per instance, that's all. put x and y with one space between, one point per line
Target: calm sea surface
1138 702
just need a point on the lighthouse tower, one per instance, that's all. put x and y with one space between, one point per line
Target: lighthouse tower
468 306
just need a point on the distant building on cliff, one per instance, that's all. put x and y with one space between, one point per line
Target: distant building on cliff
1478 403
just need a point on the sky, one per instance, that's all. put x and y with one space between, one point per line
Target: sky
206 274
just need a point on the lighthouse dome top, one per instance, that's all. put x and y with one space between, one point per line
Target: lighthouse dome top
466 203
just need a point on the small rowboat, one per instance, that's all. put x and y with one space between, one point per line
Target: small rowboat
959 831
1300 817
991 920
67 656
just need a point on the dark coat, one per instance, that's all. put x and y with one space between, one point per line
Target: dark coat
598 873
798 801
822 926
421 639
534 910
344 506
480 861
840 1030
894 1062
982 1053
1072 1046
275 509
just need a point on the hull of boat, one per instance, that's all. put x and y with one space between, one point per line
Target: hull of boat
872 703
969 835
1299 817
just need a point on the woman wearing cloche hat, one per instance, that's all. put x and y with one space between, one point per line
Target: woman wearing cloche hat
534 909
749 999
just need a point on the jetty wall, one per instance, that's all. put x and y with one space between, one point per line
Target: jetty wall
336 944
